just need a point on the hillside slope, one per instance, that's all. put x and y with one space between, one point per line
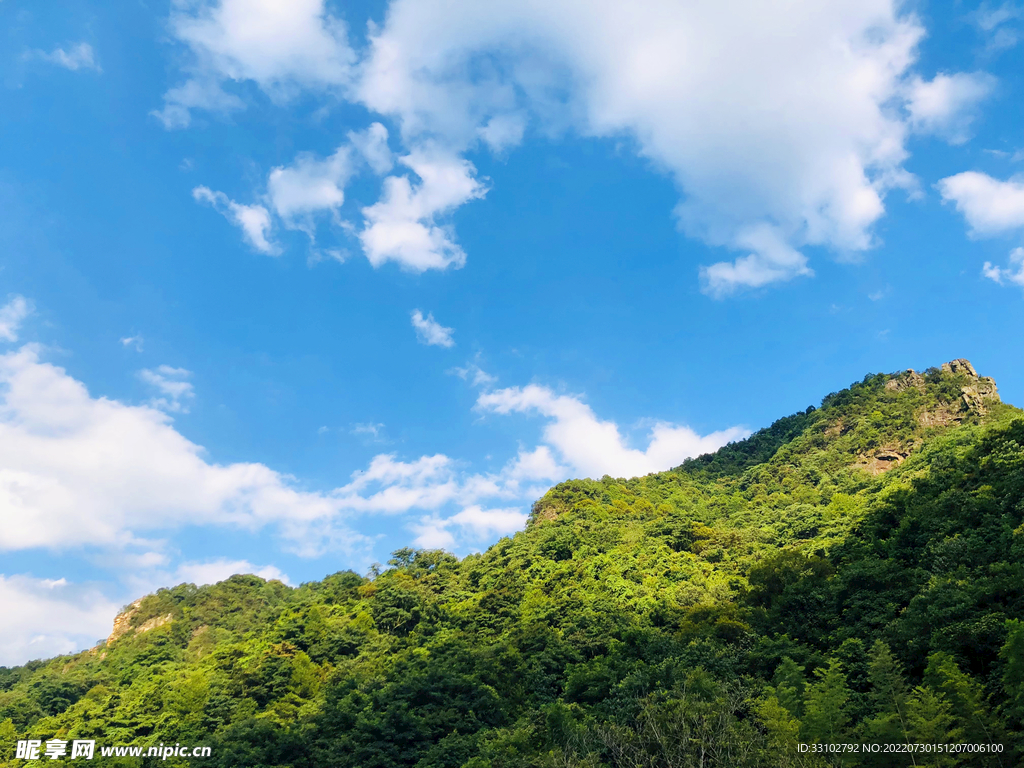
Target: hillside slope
853 573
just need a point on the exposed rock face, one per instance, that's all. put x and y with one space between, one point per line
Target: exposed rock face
156 621
975 397
960 366
123 622
943 416
974 394
882 460
909 378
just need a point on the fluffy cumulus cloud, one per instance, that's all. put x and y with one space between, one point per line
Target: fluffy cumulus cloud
402 226
594 447
12 315
75 57
77 470
81 471
990 206
431 332
946 105
281 46
781 130
47 617
774 125
253 220
310 185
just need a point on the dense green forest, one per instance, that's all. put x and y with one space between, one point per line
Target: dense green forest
853 573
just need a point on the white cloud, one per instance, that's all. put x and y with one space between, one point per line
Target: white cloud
503 131
280 45
172 384
213 571
310 185
474 522
12 314
194 94
770 260
594 447
781 130
489 522
253 220
432 533
776 126
390 486
78 56
133 341
475 375
372 146
947 104
48 617
78 471
431 332
990 206
402 226
1004 275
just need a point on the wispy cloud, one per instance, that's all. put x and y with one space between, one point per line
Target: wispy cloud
175 391
1001 25
431 332
77 56
375 432
253 220
1014 274
474 374
133 341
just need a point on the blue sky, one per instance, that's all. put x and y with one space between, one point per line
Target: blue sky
287 286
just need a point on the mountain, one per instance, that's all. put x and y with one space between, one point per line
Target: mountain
852 574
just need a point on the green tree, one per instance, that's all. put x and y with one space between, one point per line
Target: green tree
888 697
789 686
964 694
930 720
1012 656
825 705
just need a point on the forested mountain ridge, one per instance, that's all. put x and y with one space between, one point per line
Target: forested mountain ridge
852 574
